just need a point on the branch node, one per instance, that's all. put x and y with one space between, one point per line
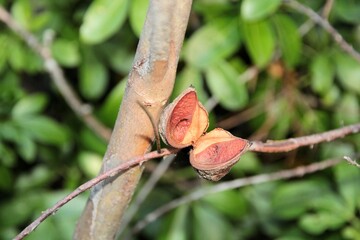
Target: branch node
351 161
86 109
48 37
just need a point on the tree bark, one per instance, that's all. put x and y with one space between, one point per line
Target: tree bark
149 86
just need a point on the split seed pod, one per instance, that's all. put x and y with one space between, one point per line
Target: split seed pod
184 120
216 152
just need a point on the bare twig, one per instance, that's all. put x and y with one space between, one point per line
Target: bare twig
82 110
249 74
293 143
324 23
273 146
240 117
211 103
144 192
327 8
111 173
154 125
309 24
254 180
351 161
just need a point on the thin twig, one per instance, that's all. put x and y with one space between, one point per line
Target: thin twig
327 8
82 110
309 24
293 143
241 182
111 173
154 125
144 192
351 161
250 73
240 117
211 103
272 146
324 23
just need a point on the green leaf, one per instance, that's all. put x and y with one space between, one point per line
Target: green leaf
28 16
90 163
91 141
291 200
24 143
213 42
120 58
22 207
348 70
189 77
61 225
259 196
44 129
336 148
109 110
322 73
37 177
230 203
253 10
333 203
211 9
29 105
4 43
332 96
177 228
102 19
137 15
249 163
348 110
22 13
17 55
26 147
282 125
209 224
6 174
314 121
224 84
318 223
8 157
289 39
93 77
259 41
351 232
66 52
347 10
348 179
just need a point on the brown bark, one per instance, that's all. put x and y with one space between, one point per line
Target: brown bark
149 85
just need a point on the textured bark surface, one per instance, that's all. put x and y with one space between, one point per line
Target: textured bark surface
149 86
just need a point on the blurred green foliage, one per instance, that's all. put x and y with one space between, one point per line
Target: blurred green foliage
304 83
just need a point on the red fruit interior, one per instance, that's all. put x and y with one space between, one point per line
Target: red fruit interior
219 153
182 115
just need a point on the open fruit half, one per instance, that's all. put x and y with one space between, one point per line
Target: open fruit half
216 152
184 120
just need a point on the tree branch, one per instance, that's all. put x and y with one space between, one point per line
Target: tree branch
293 143
82 188
324 23
82 110
351 161
241 182
150 84
145 191
276 146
